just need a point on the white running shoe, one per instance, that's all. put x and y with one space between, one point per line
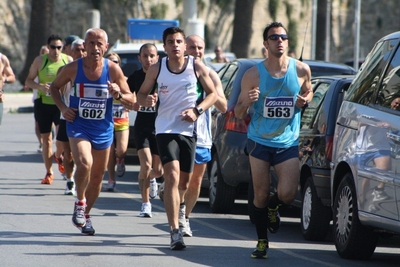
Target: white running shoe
153 188
146 210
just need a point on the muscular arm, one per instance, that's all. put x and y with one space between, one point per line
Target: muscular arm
304 74
221 103
119 84
8 73
249 93
143 97
33 73
67 74
207 84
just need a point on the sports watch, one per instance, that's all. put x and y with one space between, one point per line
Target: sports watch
199 110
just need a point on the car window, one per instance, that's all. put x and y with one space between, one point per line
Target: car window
227 77
364 85
320 90
390 89
130 62
326 71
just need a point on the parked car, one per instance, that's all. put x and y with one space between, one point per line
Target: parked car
315 153
128 52
228 171
365 168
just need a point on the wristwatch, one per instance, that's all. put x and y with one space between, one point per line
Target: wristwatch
119 96
199 110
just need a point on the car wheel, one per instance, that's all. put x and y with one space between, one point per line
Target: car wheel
352 239
315 217
221 195
250 198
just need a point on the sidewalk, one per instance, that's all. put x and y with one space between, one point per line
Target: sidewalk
18 102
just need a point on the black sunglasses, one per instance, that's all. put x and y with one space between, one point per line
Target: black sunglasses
275 37
115 61
54 47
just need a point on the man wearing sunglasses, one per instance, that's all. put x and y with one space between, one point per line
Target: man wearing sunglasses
45 67
275 90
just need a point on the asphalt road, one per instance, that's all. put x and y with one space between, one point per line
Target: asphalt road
36 228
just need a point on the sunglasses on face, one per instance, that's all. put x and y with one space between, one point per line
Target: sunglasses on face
115 61
54 47
275 37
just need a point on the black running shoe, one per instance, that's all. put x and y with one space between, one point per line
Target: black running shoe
88 228
177 240
261 250
274 220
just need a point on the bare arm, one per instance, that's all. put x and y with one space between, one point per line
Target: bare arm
143 97
207 84
8 73
306 91
67 74
118 87
221 103
249 93
33 73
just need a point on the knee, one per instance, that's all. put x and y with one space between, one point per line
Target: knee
287 198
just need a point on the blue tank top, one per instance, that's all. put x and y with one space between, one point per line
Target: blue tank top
94 119
275 119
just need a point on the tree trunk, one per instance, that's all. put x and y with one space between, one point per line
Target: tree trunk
242 27
39 31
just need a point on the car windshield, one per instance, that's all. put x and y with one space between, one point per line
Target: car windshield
130 62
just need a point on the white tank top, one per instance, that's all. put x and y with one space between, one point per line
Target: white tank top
203 127
176 93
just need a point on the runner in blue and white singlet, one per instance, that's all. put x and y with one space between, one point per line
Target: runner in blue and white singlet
94 120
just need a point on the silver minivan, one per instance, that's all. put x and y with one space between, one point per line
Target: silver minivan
365 167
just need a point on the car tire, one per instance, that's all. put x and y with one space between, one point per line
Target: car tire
352 239
221 195
250 199
315 217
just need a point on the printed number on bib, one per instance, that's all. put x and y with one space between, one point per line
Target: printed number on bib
279 107
92 109
147 109
118 111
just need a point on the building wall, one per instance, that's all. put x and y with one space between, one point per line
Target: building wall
377 20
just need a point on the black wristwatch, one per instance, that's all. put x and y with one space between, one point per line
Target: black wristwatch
199 110
119 96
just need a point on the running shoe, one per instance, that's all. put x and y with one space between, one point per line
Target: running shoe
70 188
146 210
110 186
182 218
274 220
59 162
40 150
88 228
177 240
261 250
120 167
153 188
78 217
186 231
161 191
48 179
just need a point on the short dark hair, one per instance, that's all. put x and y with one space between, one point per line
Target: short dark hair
147 45
172 30
272 25
54 37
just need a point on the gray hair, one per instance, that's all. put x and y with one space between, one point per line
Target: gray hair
97 30
77 42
